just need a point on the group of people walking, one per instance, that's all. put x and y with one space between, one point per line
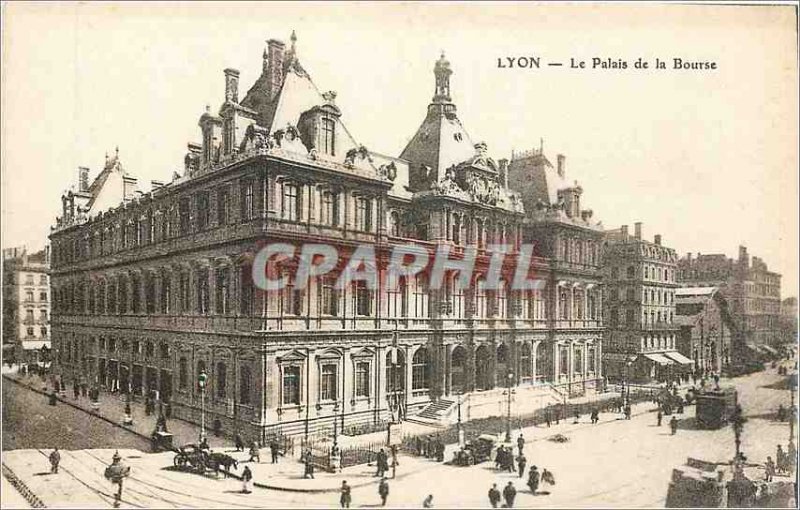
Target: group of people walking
431 447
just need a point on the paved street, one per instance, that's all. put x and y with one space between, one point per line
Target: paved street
630 466
29 422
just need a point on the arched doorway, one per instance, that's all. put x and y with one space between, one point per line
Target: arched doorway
502 365
396 382
483 374
543 364
458 362
420 371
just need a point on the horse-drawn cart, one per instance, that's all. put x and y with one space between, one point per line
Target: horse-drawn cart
191 458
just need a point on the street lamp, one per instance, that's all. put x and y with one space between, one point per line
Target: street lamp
508 410
627 396
117 472
458 423
201 382
335 427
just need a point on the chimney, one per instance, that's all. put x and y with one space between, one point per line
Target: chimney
83 178
657 239
275 50
560 161
624 230
742 252
231 85
637 229
504 172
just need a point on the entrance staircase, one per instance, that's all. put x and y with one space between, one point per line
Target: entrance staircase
434 413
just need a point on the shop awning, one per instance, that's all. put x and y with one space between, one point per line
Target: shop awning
678 358
32 345
658 358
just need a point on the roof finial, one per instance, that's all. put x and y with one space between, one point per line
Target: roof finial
116 151
541 145
293 38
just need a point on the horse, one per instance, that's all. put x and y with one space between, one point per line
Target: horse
224 460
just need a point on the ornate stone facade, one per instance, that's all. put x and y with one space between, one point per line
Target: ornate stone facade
157 288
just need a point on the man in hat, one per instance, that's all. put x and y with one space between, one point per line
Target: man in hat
494 496
247 478
510 494
345 498
673 425
274 450
533 479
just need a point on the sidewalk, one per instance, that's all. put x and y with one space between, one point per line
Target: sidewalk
112 410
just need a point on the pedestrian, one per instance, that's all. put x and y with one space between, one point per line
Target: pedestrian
533 479
345 498
53 399
521 443
238 442
55 458
509 494
521 462
273 450
254 453
595 417
498 458
680 406
204 444
308 463
577 414
548 478
769 468
781 413
428 503
76 392
547 416
659 417
383 491
494 496
627 411
558 415
780 456
84 389
393 450
381 463
439 451
673 425
247 477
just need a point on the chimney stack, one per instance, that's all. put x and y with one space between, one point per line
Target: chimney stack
624 230
275 51
657 239
504 172
83 178
637 229
231 85
560 164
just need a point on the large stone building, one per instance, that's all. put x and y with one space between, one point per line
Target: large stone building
708 333
753 292
641 334
26 305
152 289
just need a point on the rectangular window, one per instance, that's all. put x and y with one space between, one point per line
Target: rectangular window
248 205
202 293
202 206
363 214
166 293
328 208
43 296
329 296
28 316
327 138
421 296
291 385
223 291
223 214
362 379
362 297
184 216
184 292
247 291
291 299
328 382
289 206
590 359
397 299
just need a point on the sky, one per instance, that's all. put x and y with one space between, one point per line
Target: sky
706 158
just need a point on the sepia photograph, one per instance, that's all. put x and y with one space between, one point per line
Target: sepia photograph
399 254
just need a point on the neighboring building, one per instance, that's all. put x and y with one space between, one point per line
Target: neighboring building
707 330
788 324
151 289
639 312
26 305
751 290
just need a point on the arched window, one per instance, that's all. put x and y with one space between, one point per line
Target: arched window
525 362
562 304
221 383
395 372
245 385
420 371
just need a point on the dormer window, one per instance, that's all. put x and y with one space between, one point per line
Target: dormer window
327 136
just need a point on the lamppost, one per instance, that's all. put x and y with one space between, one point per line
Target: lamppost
627 396
458 423
201 382
335 426
117 472
508 409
